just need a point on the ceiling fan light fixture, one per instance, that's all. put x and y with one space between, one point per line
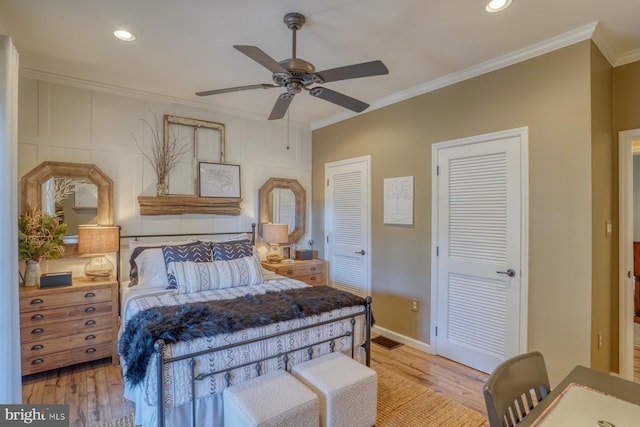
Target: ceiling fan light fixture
497 5
124 35
295 75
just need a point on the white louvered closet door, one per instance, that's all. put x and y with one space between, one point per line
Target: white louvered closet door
479 226
347 224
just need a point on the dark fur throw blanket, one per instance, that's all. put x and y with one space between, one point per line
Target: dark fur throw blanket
189 321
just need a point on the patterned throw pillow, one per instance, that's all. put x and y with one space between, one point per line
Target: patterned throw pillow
225 251
197 252
201 276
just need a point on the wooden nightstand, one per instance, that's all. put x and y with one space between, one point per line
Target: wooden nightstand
68 325
312 271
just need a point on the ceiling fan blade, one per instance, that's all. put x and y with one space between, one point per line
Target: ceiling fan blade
235 89
339 99
365 69
262 58
281 106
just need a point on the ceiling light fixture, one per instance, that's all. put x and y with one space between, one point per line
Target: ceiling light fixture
497 5
124 35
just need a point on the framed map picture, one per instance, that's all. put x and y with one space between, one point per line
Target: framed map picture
218 180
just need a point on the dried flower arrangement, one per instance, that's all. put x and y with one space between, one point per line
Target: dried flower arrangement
40 236
164 157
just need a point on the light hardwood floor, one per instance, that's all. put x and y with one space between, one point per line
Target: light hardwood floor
94 390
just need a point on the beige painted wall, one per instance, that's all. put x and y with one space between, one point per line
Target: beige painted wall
603 268
551 95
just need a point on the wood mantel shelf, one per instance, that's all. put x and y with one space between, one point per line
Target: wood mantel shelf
177 205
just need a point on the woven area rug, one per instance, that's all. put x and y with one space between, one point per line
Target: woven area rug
401 402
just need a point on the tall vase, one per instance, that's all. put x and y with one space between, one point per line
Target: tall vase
32 273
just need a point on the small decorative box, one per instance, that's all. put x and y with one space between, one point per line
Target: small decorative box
304 254
52 280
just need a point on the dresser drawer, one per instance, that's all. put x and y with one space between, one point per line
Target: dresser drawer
37 318
64 358
47 346
51 330
42 300
296 271
313 279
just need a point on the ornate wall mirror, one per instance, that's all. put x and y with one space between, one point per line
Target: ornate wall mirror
90 192
283 201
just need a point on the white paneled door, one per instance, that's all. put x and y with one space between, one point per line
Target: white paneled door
480 243
347 216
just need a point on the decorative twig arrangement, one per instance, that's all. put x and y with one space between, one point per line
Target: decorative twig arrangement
163 157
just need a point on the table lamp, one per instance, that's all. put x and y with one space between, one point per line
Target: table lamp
274 235
96 241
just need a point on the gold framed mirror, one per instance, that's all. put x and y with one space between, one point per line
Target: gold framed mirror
283 201
32 186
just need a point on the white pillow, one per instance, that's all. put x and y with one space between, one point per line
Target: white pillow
151 270
201 276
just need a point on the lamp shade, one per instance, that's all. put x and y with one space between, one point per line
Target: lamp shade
97 239
275 233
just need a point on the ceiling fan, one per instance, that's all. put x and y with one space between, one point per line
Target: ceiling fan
295 74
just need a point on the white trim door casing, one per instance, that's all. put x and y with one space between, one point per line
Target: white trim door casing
625 242
347 216
479 234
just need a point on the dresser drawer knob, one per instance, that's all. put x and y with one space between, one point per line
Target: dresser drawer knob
90 323
37 347
90 337
37 331
313 269
36 301
90 350
289 271
89 295
37 317
313 278
89 309
37 362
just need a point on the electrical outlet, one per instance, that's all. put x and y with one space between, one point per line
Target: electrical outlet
414 304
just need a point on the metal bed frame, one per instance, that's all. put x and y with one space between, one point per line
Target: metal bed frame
163 361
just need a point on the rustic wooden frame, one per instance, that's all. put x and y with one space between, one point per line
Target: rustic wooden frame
195 124
32 185
300 195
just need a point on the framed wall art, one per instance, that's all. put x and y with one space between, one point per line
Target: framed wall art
398 200
218 180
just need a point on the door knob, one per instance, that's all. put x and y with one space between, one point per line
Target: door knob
361 252
510 272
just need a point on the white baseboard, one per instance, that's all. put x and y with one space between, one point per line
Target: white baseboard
411 342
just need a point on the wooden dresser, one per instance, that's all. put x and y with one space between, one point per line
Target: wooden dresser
312 271
68 325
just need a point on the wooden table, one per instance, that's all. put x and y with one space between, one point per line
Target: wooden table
580 389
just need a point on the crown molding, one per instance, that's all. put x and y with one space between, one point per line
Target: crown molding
628 57
579 34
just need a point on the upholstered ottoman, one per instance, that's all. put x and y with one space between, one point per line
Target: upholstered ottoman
276 399
347 389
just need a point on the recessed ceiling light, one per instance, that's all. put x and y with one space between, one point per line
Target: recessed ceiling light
124 35
497 5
